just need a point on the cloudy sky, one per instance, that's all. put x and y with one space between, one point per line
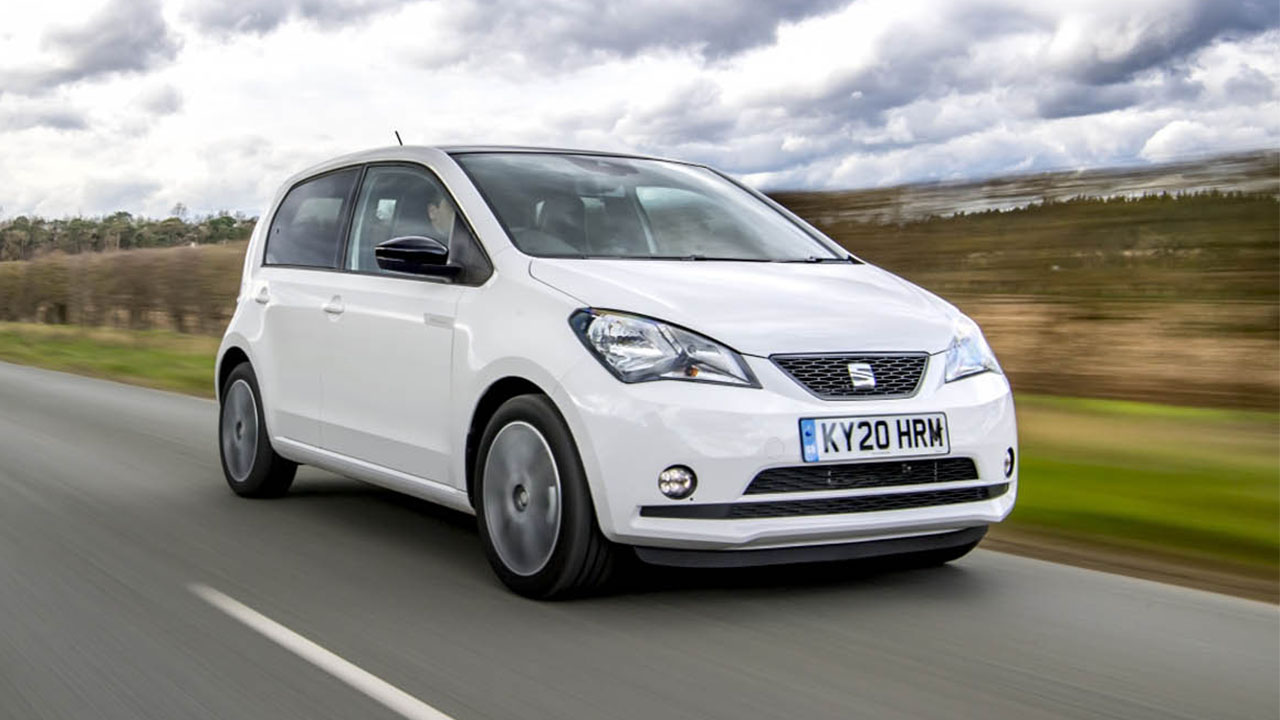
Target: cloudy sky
140 104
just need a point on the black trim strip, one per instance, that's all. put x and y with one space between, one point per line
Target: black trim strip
825 506
814 553
816 477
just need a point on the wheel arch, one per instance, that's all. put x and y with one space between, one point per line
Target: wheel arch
230 357
497 393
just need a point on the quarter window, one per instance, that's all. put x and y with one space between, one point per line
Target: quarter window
307 229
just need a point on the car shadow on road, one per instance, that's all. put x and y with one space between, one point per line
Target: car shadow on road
843 576
407 524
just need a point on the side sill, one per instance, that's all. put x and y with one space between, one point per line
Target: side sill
418 487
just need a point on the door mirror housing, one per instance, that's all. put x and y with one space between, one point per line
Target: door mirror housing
416 255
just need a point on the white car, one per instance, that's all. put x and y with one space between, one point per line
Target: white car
599 354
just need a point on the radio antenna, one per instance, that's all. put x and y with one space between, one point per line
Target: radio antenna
397 132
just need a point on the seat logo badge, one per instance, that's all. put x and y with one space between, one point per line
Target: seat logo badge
862 376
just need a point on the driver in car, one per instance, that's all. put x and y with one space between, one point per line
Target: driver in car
441 213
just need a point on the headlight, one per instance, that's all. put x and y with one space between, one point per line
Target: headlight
969 353
638 349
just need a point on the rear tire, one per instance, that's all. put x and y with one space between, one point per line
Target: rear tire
249 463
533 505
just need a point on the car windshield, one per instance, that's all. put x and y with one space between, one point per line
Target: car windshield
566 205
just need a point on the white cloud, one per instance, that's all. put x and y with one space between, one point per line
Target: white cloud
225 98
122 36
1181 138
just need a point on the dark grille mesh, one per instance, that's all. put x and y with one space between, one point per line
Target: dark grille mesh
804 478
827 376
825 506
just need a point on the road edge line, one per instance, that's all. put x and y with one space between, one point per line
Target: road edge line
353 675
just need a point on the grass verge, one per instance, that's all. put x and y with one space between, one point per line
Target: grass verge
1195 487
154 358
1122 485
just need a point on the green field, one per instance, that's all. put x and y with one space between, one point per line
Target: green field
1193 483
154 358
1190 485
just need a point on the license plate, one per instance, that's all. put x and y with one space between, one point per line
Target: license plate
873 436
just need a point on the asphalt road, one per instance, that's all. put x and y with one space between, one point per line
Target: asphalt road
112 507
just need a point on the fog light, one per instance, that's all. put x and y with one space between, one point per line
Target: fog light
677 482
1008 463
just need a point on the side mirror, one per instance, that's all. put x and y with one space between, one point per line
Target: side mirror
416 255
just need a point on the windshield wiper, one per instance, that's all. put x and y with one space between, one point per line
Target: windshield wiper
703 258
695 257
813 259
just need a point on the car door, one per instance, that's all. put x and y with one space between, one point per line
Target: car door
303 253
388 384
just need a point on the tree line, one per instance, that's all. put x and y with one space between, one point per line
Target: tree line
25 237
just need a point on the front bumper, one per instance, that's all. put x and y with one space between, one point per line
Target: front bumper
627 434
836 552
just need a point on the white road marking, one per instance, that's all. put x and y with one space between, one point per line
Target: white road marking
349 673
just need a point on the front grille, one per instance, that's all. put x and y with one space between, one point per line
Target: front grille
825 506
807 478
827 376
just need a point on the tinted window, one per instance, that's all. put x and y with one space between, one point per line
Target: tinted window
617 207
397 202
307 229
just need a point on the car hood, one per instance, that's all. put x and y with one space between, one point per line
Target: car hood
764 308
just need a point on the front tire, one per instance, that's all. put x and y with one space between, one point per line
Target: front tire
249 463
537 521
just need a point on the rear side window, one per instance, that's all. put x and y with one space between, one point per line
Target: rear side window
307 229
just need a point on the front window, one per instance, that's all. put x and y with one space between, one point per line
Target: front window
563 205
396 202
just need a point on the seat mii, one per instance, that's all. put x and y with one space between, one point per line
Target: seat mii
607 356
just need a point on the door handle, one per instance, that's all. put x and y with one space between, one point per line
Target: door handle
335 306
263 296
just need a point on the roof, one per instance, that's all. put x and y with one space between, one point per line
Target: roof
460 149
411 152
408 150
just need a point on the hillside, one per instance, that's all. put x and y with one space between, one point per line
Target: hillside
1151 297
1249 172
